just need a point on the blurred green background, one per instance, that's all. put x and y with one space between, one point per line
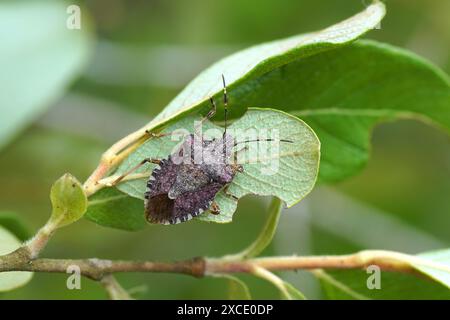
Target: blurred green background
143 55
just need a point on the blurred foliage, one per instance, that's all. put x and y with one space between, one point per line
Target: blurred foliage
146 52
14 279
15 225
28 82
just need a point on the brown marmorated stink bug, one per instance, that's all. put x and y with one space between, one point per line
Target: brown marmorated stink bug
180 187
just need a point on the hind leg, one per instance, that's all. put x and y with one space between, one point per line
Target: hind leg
214 209
140 164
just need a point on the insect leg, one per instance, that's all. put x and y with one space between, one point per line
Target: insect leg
229 195
214 209
211 112
225 103
160 134
238 153
140 164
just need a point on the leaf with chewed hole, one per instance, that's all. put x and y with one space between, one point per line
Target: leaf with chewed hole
342 89
242 71
285 170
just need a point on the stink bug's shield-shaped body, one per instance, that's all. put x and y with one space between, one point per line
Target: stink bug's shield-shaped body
186 183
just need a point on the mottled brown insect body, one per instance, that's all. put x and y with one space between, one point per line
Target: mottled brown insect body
182 187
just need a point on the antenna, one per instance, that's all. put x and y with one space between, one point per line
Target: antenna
225 103
259 140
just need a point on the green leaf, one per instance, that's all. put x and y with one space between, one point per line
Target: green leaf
267 233
14 279
240 69
341 89
249 64
244 70
40 57
14 224
112 208
69 201
293 178
342 94
352 284
442 257
292 292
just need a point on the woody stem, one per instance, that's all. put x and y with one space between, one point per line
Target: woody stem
97 269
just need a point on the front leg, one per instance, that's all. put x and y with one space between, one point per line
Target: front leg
140 164
214 209
229 195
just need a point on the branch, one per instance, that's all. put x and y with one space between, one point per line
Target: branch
39 241
97 269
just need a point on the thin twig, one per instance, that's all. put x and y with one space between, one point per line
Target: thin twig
113 157
97 269
114 289
39 241
274 279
